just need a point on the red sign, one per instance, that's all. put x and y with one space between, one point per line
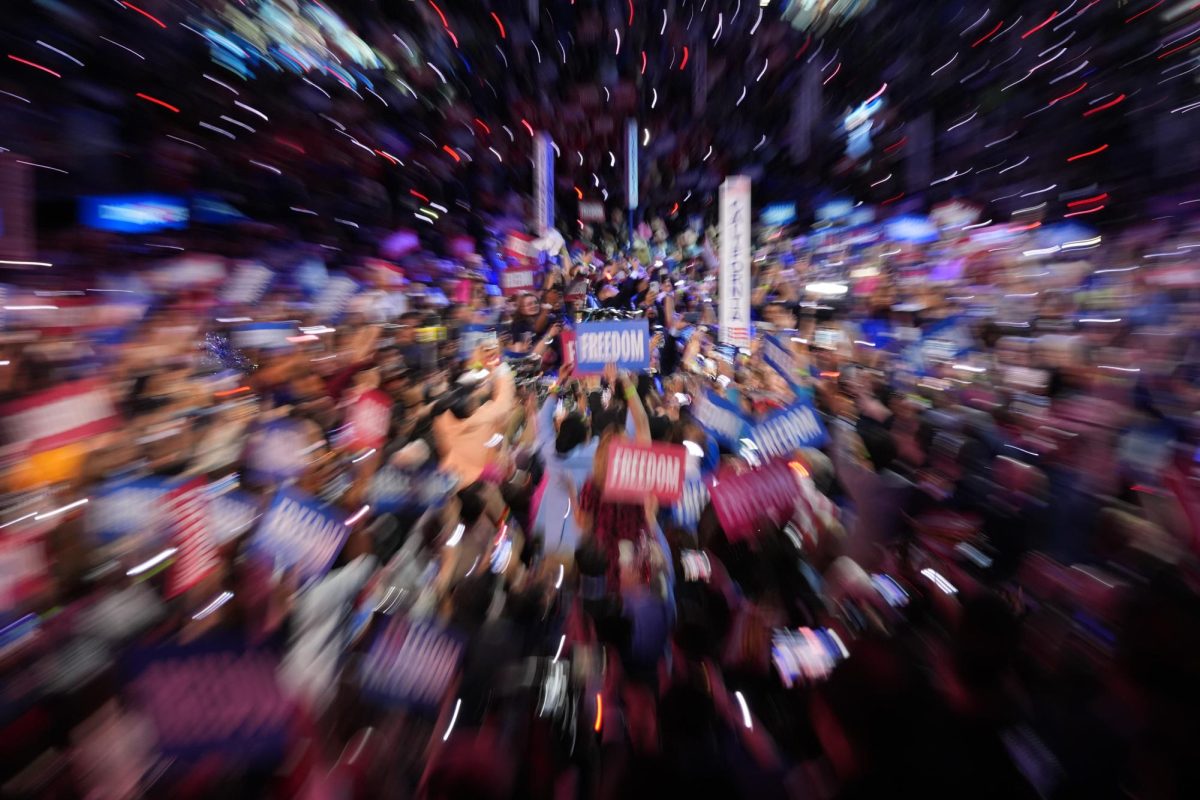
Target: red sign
520 253
197 551
636 470
60 416
568 347
370 419
745 501
517 280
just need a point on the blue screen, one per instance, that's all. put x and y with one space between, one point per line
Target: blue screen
134 213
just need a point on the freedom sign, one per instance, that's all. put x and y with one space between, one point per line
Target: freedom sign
720 419
198 554
297 533
784 432
393 489
636 470
778 355
625 343
411 664
370 419
206 699
122 508
518 279
745 501
277 451
687 510
60 416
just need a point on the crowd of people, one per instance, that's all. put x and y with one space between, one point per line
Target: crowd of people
261 544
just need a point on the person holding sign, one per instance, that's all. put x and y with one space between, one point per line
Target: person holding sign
477 413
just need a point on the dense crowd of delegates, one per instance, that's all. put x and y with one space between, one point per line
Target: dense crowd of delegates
375 557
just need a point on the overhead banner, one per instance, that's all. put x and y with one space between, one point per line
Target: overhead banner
543 179
735 261
786 431
631 164
636 470
625 343
298 533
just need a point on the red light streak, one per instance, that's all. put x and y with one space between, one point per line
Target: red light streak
892 147
291 145
631 13
453 38
1071 93
599 713
158 102
675 209
1084 211
445 24
891 200
453 154
1037 28
35 66
387 155
1078 156
499 25
579 192
483 125
1088 200
528 127
1144 11
145 14
643 62
1183 46
804 47
877 95
683 63
1120 98
833 74
1028 227
988 35
418 195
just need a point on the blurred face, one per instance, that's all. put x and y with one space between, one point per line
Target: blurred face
527 305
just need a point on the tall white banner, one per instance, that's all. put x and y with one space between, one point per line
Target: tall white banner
631 164
735 261
543 184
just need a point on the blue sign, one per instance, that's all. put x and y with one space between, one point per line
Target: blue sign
122 508
625 343
134 213
411 664
333 298
300 534
230 514
211 698
394 489
263 335
277 452
778 355
778 214
784 432
211 210
721 419
686 513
